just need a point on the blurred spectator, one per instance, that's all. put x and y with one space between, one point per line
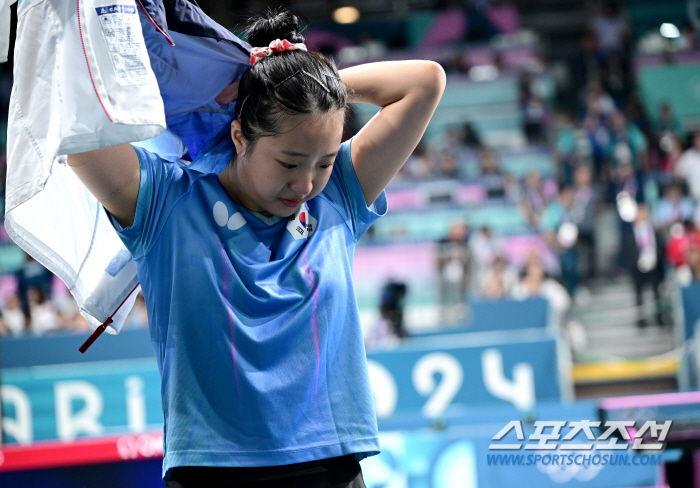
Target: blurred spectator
42 316
391 312
490 176
484 248
454 263
643 257
68 315
33 273
688 40
447 165
584 208
534 201
627 143
681 238
566 148
667 122
536 283
418 165
470 137
585 66
672 208
388 331
14 317
691 272
598 102
561 233
610 29
500 280
682 252
533 109
671 151
688 167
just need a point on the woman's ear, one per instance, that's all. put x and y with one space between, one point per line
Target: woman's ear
237 137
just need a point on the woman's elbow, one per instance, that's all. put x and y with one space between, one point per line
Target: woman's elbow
434 79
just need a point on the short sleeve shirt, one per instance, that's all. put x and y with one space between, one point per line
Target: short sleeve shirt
255 324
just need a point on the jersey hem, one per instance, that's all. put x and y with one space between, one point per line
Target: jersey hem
367 446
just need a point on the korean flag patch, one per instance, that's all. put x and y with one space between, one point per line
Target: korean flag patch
301 225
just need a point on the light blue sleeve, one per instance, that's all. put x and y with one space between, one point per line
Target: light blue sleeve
156 198
344 192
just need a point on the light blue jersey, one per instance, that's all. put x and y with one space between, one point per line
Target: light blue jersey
255 324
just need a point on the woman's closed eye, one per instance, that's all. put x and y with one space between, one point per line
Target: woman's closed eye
287 165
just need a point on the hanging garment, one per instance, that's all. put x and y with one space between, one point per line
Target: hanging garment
91 74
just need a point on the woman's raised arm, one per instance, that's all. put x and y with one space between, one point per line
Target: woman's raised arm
112 175
408 92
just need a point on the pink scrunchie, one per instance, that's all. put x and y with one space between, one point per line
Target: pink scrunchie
276 46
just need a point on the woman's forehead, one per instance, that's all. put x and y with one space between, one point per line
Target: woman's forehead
310 133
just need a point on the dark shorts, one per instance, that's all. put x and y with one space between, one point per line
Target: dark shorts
336 472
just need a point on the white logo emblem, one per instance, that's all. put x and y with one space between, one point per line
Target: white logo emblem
301 225
221 217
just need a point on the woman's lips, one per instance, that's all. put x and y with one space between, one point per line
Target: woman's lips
290 203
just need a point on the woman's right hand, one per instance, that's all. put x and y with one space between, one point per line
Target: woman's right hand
228 94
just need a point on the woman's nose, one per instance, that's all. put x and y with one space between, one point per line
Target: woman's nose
302 185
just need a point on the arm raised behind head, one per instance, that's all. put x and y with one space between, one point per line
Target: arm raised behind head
408 92
112 175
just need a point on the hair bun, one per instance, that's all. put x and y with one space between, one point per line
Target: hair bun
281 25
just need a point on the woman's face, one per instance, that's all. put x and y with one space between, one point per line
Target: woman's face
280 172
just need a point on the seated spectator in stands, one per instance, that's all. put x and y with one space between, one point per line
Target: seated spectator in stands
598 103
667 122
670 151
490 176
688 167
470 137
484 247
643 255
627 142
584 210
14 317
454 269
673 207
42 316
68 315
138 317
534 200
681 238
559 229
500 280
419 164
33 273
447 165
535 283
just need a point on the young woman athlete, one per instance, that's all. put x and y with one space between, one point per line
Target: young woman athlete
247 274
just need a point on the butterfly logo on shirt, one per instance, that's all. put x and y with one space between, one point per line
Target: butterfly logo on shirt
221 217
301 225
